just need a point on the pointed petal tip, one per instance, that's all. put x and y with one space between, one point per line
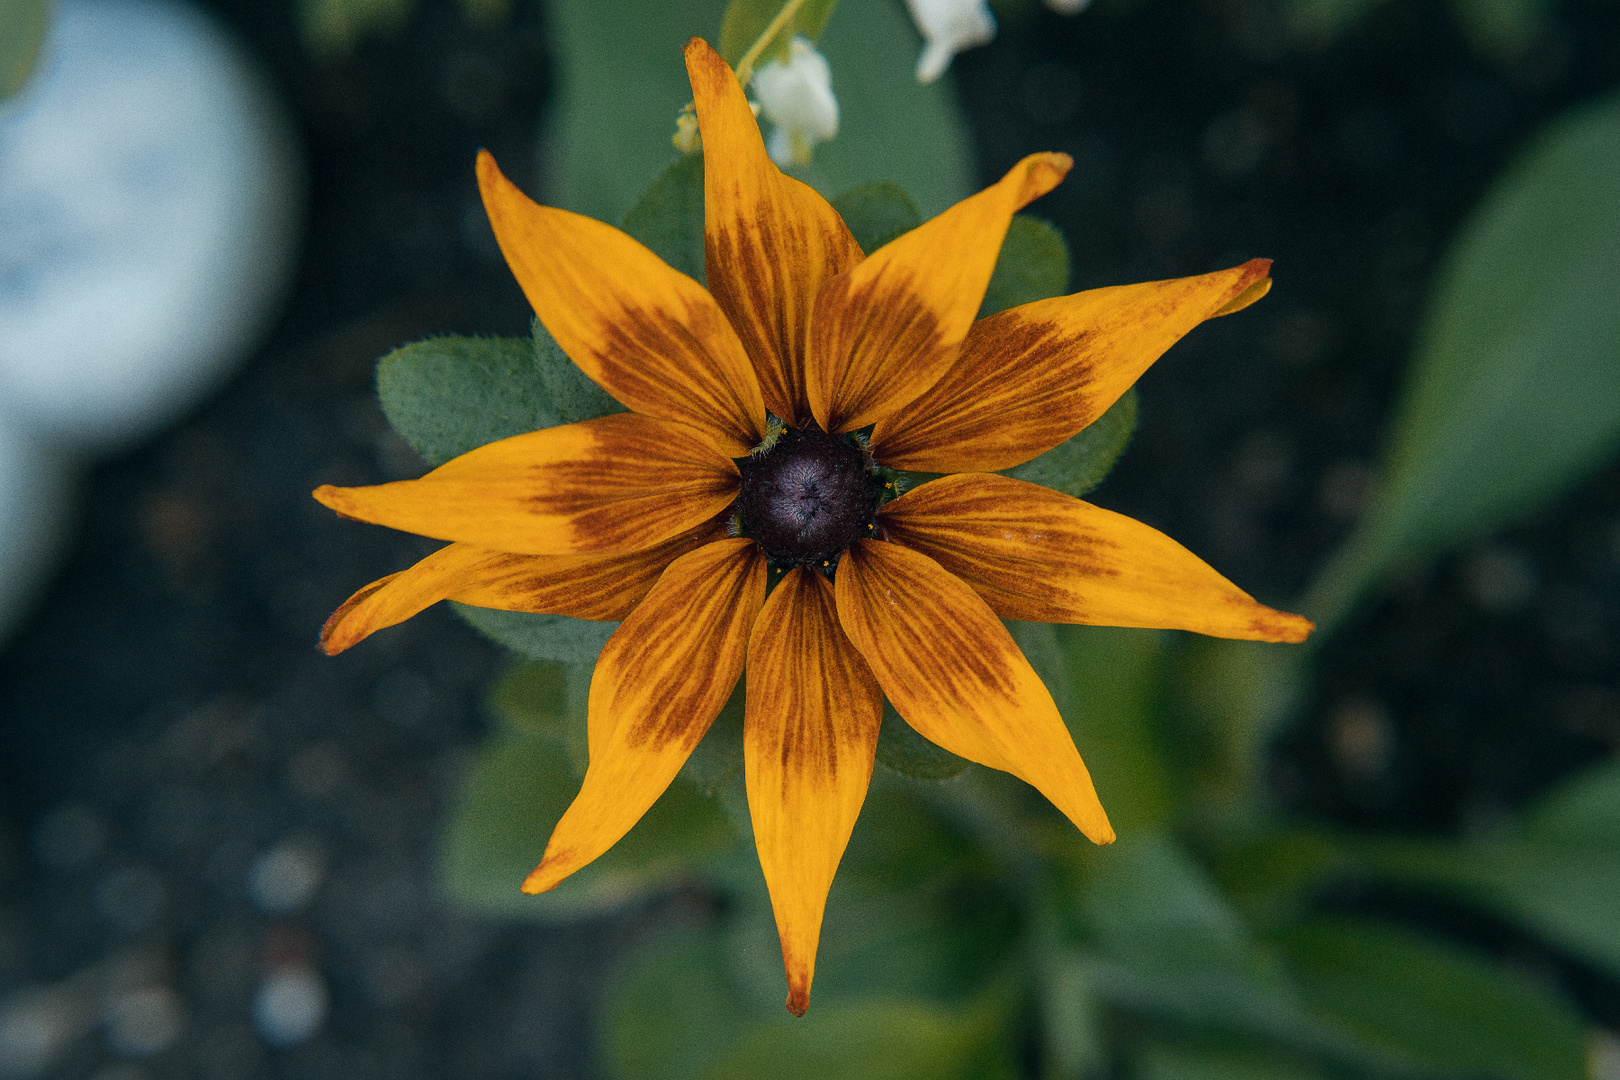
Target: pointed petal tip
1283 627
542 878
797 1004
1042 173
1252 286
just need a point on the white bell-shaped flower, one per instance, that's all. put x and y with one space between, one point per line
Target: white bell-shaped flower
796 96
949 27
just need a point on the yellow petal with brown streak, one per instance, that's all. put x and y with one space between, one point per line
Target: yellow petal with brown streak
614 485
809 740
604 587
648 334
658 685
955 674
887 329
769 241
1038 555
1033 376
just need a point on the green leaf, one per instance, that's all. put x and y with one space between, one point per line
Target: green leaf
1170 944
620 82
1033 265
1514 393
877 213
871 1040
718 759
22 29
746 20
1183 1063
513 797
449 395
1430 1005
547 700
569 393
1559 877
1077 465
668 218
1113 715
540 637
901 749
671 1009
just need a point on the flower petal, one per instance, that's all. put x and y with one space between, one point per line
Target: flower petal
659 683
1029 378
769 240
650 335
954 673
614 485
602 587
887 329
1041 556
809 740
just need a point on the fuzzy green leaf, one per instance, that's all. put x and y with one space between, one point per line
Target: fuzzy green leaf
668 218
570 394
449 395
540 637
1033 265
1515 390
877 213
1077 465
746 20
517 790
1429 1005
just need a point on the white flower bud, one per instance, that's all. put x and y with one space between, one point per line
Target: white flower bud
796 96
949 27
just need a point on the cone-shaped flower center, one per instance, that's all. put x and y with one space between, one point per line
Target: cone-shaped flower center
807 498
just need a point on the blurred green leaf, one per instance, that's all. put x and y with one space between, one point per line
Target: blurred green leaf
517 790
871 1040
1514 393
1501 29
1033 265
1113 715
1168 943
877 213
668 217
718 759
1559 876
332 27
22 29
901 749
1433 1006
746 20
1182 1063
540 637
1073 1020
671 1009
621 80
1076 466
548 700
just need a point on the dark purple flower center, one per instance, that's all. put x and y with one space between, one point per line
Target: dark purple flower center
808 497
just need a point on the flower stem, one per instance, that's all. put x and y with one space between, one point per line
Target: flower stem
745 66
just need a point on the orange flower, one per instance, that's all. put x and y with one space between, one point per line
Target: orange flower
679 515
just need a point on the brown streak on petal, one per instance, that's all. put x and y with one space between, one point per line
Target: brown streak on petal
1027 379
1040 556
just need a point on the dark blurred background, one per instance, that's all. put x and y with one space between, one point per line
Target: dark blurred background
228 839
